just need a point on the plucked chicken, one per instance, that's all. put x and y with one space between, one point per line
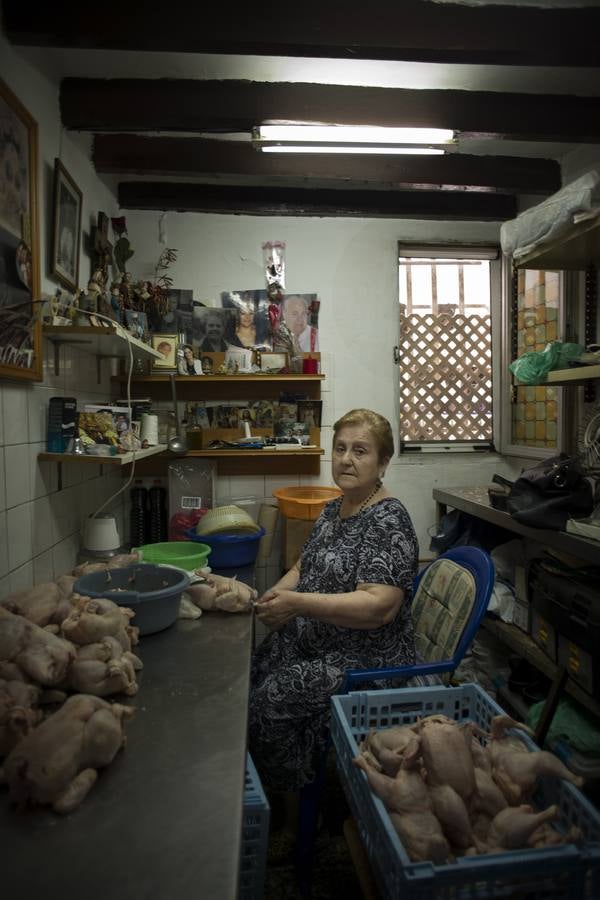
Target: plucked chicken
43 605
57 763
453 790
104 668
18 712
117 562
39 655
218 592
91 620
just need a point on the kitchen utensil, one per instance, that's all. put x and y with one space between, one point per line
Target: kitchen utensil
177 444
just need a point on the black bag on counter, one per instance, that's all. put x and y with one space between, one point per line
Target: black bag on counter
547 494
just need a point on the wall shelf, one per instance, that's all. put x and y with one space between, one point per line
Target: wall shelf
121 459
225 387
103 343
526 647
574 376
575 249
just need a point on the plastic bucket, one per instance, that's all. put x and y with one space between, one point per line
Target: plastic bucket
187 555
152 592
304 502
230 550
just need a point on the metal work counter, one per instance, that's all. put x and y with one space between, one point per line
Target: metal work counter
163 821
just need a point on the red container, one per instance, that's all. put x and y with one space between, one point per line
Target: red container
310 366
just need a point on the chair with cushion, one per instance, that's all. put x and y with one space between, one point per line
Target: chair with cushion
450 598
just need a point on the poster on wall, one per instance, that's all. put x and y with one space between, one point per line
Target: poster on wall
249 325
20 330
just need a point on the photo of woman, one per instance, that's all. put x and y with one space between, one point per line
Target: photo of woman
249 327
187 364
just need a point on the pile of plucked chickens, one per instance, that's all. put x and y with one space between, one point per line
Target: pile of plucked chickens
60 654
450 795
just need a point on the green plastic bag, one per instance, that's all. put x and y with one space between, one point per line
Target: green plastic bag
533 367
570 724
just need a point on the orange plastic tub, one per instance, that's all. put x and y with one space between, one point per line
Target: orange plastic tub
304 502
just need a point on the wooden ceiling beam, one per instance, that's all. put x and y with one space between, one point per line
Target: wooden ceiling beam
253 201
184 105
131 154
411 30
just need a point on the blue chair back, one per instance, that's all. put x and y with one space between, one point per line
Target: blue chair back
480 565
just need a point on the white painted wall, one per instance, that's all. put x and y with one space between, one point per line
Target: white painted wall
39 525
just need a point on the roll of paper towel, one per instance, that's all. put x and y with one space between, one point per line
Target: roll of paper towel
149 429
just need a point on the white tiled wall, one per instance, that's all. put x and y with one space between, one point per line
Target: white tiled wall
40 524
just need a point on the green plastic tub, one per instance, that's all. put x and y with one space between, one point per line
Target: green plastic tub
186 555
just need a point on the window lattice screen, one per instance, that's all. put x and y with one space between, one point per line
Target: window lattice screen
445 378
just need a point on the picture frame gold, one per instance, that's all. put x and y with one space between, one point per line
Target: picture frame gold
169 360
273 361
20 322
66 229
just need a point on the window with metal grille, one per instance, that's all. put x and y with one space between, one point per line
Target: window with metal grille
445 350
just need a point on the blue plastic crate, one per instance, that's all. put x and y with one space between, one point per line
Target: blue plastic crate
255 836
567 872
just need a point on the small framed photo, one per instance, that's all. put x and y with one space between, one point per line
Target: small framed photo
67 228
273 362
166 345
309 412
239 360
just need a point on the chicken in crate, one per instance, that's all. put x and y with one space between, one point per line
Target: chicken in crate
453 799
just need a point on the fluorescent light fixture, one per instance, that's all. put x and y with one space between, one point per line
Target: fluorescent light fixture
352 148
353 134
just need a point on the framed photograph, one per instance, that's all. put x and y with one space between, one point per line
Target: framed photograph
309 412
239 360
166 345
20 324
273 362
66 232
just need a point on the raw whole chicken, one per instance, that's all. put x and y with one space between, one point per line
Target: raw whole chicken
385 749
104 668
512 828
515 768
117 562
18 712
409 804
43 605
446 752
218 592
57 763
91 620
39 655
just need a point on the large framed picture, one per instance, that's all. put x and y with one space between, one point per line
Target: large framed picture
66 233
166 345
20 328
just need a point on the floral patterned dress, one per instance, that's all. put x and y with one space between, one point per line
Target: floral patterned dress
297 668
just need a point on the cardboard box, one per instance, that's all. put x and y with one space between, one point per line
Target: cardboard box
544 634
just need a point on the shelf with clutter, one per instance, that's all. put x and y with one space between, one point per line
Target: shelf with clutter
110 342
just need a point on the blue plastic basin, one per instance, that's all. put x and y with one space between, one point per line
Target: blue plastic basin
152 592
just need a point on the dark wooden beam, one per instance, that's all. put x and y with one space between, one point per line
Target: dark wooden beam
408 30
131 154
228 106
253 201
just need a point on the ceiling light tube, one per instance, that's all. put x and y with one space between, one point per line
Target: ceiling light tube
353 134
351 149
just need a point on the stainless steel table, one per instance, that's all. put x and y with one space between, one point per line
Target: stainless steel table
164 820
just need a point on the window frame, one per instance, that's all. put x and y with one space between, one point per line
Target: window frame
505 445
491 251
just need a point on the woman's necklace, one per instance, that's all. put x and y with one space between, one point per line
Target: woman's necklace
364 502
369 498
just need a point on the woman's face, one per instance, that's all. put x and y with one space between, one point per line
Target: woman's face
188 354
355 459
246 315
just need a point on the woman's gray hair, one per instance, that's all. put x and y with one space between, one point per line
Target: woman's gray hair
379 427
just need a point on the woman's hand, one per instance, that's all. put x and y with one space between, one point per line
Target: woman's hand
276 607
